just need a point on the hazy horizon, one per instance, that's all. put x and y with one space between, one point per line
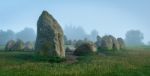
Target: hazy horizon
106 16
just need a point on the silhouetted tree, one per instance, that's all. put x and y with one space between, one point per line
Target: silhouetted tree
75 33
28 34
93 35
65 39
67 42
6 36
98 41
134 38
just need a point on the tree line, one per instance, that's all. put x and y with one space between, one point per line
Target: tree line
27 34
132 37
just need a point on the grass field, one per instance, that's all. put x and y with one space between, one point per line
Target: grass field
126 63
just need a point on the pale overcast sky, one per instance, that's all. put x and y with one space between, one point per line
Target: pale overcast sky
107 16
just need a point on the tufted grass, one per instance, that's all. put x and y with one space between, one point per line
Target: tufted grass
134 62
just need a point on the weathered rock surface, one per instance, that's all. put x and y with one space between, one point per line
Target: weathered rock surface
85 49
50 37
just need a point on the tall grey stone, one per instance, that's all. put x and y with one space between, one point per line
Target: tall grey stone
50 37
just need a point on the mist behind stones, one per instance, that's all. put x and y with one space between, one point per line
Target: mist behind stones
132 37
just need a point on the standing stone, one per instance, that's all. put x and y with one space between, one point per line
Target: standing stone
115 43
10 45
50 37
121 43
19 45
106 43
28 46
87 48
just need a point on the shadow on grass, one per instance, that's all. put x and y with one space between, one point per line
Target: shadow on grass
35 58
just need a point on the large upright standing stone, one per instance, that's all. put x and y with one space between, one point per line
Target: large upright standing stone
50 37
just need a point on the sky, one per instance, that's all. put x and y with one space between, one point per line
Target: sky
113 17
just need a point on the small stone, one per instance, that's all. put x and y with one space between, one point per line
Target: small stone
85 49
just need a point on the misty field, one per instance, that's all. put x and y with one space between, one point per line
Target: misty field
125 63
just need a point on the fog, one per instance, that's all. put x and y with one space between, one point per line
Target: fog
113 17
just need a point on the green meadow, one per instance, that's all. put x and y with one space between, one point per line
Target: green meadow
130 62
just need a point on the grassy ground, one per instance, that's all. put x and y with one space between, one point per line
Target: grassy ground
127 63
